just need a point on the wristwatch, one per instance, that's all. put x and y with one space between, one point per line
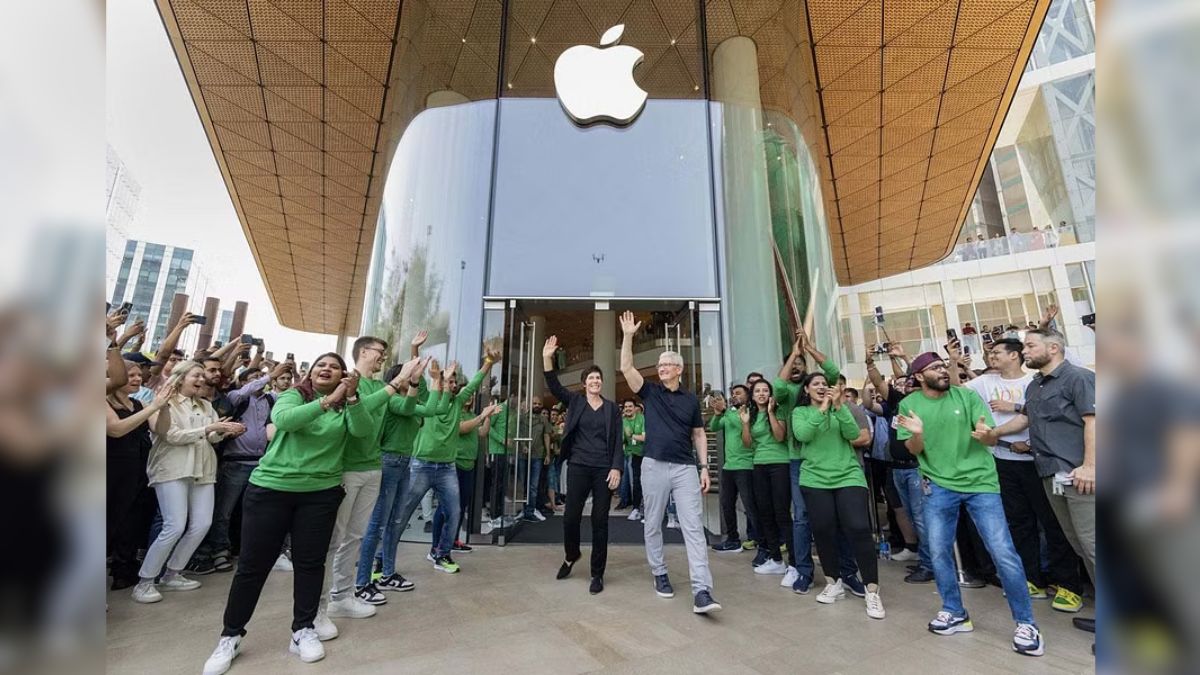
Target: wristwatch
1019 408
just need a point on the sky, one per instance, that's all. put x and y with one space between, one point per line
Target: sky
152 123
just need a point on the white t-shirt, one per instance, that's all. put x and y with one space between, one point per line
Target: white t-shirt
993 387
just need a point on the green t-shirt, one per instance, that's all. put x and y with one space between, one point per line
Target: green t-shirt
830 461
631 426
952 459
498 432
437 440
787 395
362 454
467 446
306 453
737 456
402 421
767 450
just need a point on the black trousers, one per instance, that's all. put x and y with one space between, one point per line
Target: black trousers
735 483
773 506
635 481
499 481
125 479
268 516
844 509
582 481
1026 507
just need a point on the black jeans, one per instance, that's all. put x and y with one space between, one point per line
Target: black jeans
845 509
773 506
734 483
267 517
581 481
1026 507
499 482
635 481
126 479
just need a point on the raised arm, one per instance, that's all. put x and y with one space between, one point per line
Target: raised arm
778 428
170 343
117 375
632 377
785 371
115 427
556 389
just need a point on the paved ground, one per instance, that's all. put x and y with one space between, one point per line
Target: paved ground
505 613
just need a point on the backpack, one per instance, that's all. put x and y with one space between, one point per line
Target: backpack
880 441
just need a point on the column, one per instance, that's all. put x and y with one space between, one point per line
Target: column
211 316
604 348
238 325
178 307
537 381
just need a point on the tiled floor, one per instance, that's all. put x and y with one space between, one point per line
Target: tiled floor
505 613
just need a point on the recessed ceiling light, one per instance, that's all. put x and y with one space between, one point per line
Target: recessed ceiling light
533 39
672 40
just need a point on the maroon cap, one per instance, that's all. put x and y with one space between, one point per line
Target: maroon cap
922 361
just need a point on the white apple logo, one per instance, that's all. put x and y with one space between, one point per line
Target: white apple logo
597 84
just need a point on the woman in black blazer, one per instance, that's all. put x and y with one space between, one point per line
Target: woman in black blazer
591 447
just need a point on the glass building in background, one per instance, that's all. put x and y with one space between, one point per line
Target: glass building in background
149 276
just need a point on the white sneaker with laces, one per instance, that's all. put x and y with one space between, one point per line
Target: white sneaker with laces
177 582
790 577
833 592
307 645
539 515
350 608
227 650
635 514
324 627
1027 640
145 593
771 567
283 564
874 605
905 555
672 522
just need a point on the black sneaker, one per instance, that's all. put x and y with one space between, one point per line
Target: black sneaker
460 547
597 585
704 603
222 563
370 595
855 586
395 582
662 586
428 526
728 546
919 576
969 581
204 566
761 557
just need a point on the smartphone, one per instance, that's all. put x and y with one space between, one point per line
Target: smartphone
304 365
218 344
199 319
1089 319
126 307
879 316
258 342
966 350
988 339
247 339
269 355
951 334
291 356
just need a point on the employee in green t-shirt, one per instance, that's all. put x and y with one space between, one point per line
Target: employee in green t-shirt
500 435
835 489
466 444
633 427
937 425
737 472
765 434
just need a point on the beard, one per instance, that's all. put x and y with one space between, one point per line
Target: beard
1037 362
938 383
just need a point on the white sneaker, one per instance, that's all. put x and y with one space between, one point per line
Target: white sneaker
350 608
771 567
227 650
177 582
672 522
635 514
283 564
790 577
324 627
834 591
307 645
145 593
874 605
905 555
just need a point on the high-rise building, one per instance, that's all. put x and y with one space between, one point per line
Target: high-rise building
224 326
149 276
122 204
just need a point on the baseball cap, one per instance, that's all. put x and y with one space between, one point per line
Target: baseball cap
922 361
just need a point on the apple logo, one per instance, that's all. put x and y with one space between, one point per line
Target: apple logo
597 84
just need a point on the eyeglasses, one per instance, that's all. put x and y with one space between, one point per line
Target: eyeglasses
666 365
382 351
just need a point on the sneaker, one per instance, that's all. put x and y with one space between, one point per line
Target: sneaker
946 623
177 582
802 585
874 605
222 563
459 547
324 627
395 582
283 564
1066 601
672 522
307 645
832 592
759 558
201 567
370 595
1036 593
227 650
919 576
728 546
771 567
662 586
530 518
703 603
1027 640
749 545
445 564
349 608
145 593
597 585
968 581
905 555
635 514
790 577
855 586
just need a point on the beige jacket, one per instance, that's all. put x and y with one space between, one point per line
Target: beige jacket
186 451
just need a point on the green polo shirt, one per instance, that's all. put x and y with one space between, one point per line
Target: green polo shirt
952 459
737 456
829 460
631 426
787 395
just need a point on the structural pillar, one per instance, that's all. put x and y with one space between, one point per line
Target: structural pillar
238 325
536 381
178 307
212 313
604 348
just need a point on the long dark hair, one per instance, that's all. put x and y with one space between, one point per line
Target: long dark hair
306 389
753 405
804 398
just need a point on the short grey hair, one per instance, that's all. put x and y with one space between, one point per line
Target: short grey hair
1052 336
674 358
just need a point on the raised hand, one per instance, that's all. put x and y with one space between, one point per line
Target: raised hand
982 432
1049 314
350 382
744 414
138 328
435 369
448 373
629 325
719 405
801 340
836 397
491 352
550 347
420 338
336 397
954 349
896 350
772 404
161 398
912 424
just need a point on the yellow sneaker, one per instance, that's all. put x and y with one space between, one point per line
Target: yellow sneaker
1035 592
1066 601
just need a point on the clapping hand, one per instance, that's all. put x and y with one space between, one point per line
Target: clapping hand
350 382
912 424
420 338
982 432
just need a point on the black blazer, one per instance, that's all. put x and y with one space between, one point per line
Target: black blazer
576 403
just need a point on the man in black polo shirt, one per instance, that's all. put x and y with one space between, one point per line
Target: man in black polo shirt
673 429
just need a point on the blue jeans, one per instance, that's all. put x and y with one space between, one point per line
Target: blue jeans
442 478
908 484
987 512
625 491
466 488
382 525
232 479
534 473
802 540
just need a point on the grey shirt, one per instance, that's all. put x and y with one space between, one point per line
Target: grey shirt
1056 405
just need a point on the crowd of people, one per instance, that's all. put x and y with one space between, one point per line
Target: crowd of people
988 476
